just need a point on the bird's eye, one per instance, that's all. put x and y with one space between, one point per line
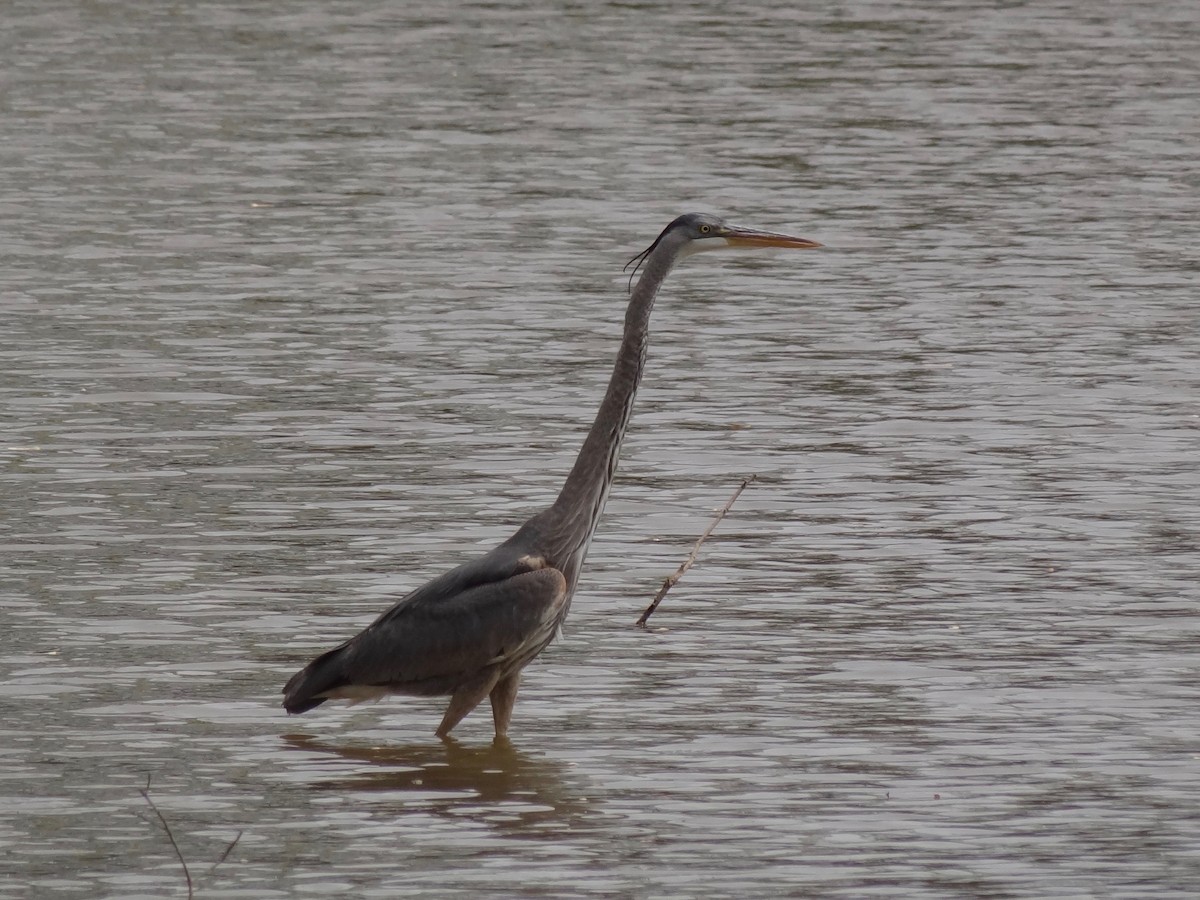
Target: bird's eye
705 229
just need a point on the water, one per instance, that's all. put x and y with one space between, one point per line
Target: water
303 306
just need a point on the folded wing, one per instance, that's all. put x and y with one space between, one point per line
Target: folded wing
442 635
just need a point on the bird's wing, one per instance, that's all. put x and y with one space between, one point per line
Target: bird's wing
491 568
426 642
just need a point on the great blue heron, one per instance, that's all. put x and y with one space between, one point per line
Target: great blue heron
470 632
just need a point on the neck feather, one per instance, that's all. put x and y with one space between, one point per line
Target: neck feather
574 515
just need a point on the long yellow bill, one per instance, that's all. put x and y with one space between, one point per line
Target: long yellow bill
750 237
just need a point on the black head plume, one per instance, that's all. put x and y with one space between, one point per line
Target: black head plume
640 258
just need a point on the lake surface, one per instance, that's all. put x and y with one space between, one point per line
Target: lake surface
305 303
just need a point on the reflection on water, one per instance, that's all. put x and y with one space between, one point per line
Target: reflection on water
518 793
303 305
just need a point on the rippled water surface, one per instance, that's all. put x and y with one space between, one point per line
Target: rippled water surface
304 303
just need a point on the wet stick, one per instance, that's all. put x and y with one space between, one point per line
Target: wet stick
145 792
687 563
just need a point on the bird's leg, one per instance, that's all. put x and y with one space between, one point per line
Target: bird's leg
503 696
465 699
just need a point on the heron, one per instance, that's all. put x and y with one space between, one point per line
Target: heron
470 632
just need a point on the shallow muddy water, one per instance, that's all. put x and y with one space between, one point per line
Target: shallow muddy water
302 308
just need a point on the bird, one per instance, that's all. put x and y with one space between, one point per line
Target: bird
470 632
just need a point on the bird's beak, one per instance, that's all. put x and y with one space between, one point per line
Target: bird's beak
749 237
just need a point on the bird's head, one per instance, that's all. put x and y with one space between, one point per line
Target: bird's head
696 232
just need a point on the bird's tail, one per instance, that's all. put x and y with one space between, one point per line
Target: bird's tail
303 690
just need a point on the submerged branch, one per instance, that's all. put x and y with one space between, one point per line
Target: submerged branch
145 792
224 856
162 820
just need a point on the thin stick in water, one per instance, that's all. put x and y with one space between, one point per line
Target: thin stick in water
687 563
228 850
145 792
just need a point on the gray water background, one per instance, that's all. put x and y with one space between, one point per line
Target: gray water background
303 303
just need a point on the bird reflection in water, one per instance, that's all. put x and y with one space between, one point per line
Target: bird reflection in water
498 785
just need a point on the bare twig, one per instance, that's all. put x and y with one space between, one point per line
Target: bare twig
228 850
145 792
687 563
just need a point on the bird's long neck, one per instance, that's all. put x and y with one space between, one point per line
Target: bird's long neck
577 510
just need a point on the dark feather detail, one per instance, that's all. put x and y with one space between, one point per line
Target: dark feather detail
637 261
493 614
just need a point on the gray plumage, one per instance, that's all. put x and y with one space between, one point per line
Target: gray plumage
470 632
